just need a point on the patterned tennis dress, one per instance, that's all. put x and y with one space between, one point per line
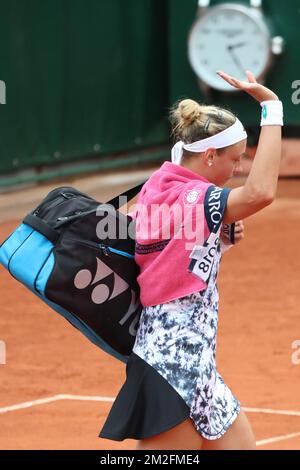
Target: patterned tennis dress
173 364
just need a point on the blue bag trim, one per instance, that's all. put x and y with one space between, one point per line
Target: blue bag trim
36 248
14 243
44 274
120 252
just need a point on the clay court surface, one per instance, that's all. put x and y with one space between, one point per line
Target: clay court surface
259 321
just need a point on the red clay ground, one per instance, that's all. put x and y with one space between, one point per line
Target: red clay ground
259 320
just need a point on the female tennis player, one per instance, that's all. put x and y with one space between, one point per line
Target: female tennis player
174 396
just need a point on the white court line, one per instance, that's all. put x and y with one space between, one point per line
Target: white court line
273 412
44 401
278 438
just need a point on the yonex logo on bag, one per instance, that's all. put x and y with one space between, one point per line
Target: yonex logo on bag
101 292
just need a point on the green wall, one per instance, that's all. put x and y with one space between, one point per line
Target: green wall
95 77
83 77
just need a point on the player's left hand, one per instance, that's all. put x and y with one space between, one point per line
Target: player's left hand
239 233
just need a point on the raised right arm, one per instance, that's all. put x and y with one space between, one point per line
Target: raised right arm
260 187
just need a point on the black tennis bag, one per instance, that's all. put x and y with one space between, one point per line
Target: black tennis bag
77 255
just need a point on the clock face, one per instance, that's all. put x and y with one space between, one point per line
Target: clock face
233 38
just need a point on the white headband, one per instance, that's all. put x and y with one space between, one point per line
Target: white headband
229 136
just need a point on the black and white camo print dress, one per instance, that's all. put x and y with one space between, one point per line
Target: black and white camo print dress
172 373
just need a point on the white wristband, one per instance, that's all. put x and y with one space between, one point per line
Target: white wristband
272 113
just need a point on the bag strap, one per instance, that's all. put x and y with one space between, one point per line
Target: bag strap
42 227
130 194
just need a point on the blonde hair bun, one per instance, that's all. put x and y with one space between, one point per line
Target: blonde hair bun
189 111
192 121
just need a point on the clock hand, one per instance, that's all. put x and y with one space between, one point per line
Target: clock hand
236 59
235 46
